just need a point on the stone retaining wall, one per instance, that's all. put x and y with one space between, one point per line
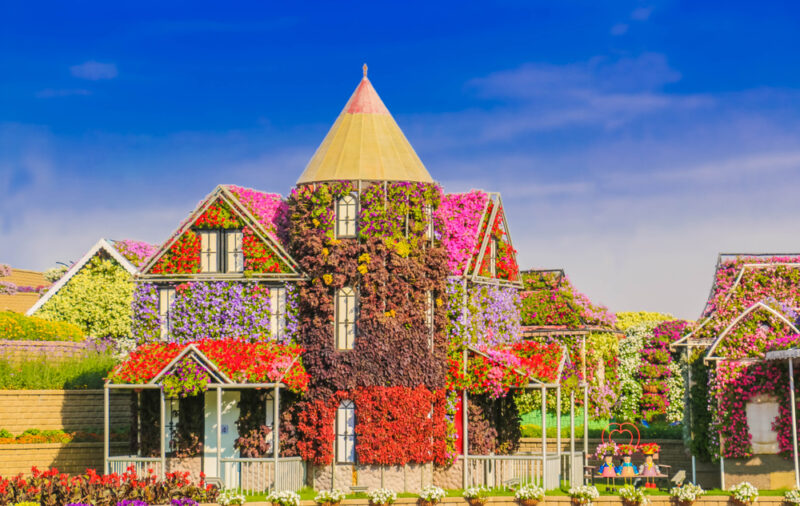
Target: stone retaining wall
66 410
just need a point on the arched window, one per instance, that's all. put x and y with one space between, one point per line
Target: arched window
347 216
346 308
429 222
277 316
346 432
166 298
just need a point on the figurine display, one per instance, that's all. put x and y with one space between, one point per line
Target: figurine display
627 469
649 469
606 453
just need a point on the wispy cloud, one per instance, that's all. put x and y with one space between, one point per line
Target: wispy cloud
53 93
94 70
619 29
641 13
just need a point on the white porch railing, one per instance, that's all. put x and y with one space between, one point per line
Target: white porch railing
252 476
141 464
504 471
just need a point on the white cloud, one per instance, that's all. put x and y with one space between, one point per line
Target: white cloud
619 29
94 70
641 13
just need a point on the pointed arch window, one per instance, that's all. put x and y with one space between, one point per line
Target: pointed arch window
346 432
346 308
347 216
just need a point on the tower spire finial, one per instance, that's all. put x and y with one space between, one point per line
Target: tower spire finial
365 70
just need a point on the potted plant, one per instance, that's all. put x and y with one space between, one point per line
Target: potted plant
382 497
584 494
285 498
476 496
329 497
744 493
792 496
431 495
230 497
687 494
529 495
632 496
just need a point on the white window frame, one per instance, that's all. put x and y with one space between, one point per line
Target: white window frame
166 299
234 254
493 257
269 418
346 318
277 311
430 309
346 432
346 212
429 224
209 250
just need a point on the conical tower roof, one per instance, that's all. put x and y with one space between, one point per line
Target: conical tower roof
365 144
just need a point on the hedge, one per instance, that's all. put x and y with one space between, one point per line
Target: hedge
18 327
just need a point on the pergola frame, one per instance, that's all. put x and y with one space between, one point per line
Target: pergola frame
790 355
542 386
219 382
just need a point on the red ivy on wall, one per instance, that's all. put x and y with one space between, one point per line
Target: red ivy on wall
183 257
382 414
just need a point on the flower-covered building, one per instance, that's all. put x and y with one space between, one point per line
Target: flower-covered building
740 409
377 294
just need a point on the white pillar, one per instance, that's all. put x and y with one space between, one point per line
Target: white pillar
163 434
219 433
276 444
106 428
558 428
794 424
571 436
544 438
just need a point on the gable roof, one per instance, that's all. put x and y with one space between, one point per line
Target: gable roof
101 245
760 305
365 143
492 212
258 221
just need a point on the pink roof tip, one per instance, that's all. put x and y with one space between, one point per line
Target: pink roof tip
365 100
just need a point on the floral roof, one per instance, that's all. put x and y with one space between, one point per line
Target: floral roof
137 252
751 301
240 361
270 209
550 300
495 371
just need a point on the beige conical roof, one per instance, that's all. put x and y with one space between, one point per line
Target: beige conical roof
365 144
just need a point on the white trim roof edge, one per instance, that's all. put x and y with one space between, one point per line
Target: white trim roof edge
77 266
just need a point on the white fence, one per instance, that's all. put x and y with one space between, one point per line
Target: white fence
504 471
257 475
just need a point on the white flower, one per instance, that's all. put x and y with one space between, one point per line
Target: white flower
634 495
745 492
792 496
330 496
286 498
584 493
688 493
382 496
530 491
432 493
478 492
229 497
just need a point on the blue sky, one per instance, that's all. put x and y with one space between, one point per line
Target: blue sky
632 141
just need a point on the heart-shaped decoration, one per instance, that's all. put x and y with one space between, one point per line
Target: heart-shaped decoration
617 432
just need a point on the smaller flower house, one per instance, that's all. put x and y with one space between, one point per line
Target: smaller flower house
208 377
745 415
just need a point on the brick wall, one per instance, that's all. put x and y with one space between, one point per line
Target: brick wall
67 410
73 458
12 349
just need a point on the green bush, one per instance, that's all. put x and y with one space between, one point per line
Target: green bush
18 327
5 434
67 373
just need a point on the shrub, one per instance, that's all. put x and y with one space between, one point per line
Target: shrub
229 497
792 496
745 492
382 496
18 327
285 498
70 373
330 497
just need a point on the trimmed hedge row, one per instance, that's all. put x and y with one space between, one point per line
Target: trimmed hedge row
18 327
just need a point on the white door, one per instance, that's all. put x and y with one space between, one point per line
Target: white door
230 413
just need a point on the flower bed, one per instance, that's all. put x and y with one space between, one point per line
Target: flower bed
15 326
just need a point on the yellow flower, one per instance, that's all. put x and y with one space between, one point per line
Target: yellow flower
325 251
364 258
363 269
439 302
403 249
315 222
390 313
334 242
327 278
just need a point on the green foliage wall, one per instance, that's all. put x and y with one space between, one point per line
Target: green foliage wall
97 299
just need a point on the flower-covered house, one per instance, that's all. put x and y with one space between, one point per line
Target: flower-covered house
740 409
374 298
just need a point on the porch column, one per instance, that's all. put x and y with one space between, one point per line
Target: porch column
794 423
558 428
276 448
544 437
219 433
163 434
106 428
465 425
585 423
571 436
